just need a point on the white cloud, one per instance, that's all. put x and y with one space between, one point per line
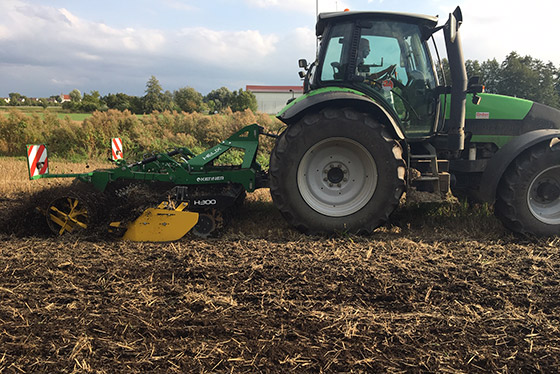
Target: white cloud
302 6
55 32
67 82
179 5
230 48
88 56
4 32
62 48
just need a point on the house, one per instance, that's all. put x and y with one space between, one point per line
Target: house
4 100
64 98
271 99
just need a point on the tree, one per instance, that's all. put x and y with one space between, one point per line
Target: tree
243 100
529 78
188 99
154 98
167 103
444 75
91 102
219 99
490 75
15 98
75 95
117 101
473 68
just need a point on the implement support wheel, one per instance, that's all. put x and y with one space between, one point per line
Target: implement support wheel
67 214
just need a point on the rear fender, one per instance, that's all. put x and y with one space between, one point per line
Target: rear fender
502 159
328 97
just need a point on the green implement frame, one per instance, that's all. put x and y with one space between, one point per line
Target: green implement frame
181 167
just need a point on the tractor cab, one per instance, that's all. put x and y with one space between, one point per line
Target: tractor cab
384 56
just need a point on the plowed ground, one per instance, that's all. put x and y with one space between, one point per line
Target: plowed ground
441 288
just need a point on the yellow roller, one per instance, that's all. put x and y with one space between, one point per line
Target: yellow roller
160 224
67 214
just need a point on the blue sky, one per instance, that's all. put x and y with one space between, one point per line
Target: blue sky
50 47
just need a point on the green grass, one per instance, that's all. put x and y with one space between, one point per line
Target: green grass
40 111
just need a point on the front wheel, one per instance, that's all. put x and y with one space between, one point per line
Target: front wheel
528 199
336 171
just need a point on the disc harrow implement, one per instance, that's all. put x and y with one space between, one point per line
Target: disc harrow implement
178 190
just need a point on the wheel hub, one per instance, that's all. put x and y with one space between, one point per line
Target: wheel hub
337 177
336 174
547 191
544 196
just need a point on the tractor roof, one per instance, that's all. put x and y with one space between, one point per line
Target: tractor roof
325 18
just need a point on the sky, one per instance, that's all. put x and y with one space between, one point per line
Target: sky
49 47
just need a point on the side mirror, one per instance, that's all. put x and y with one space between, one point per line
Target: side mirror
303 63
475 87
473 81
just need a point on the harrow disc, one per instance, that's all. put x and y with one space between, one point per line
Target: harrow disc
67 214
208 224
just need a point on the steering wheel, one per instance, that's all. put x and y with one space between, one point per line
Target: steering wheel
384 74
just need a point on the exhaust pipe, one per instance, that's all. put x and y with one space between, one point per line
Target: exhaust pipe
456 134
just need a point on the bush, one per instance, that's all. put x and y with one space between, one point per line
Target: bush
155 132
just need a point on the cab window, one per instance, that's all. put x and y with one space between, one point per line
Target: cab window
337 53
398 70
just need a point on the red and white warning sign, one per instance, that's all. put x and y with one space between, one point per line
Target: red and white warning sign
116 146
37 160
387 85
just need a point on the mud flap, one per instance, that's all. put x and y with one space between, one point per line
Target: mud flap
160 224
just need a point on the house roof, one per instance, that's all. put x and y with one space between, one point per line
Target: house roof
282 89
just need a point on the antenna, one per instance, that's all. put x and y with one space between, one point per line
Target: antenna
316 19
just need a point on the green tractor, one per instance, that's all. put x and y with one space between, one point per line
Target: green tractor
374 120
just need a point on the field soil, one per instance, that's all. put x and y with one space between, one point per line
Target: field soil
441 288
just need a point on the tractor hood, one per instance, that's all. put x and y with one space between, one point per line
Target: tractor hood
505 116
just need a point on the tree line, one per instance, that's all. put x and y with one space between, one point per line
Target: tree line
519 76
185 99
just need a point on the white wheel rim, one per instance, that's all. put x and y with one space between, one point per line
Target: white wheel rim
543 199
337 177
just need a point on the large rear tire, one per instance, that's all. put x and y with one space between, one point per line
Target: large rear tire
528 198
338 170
